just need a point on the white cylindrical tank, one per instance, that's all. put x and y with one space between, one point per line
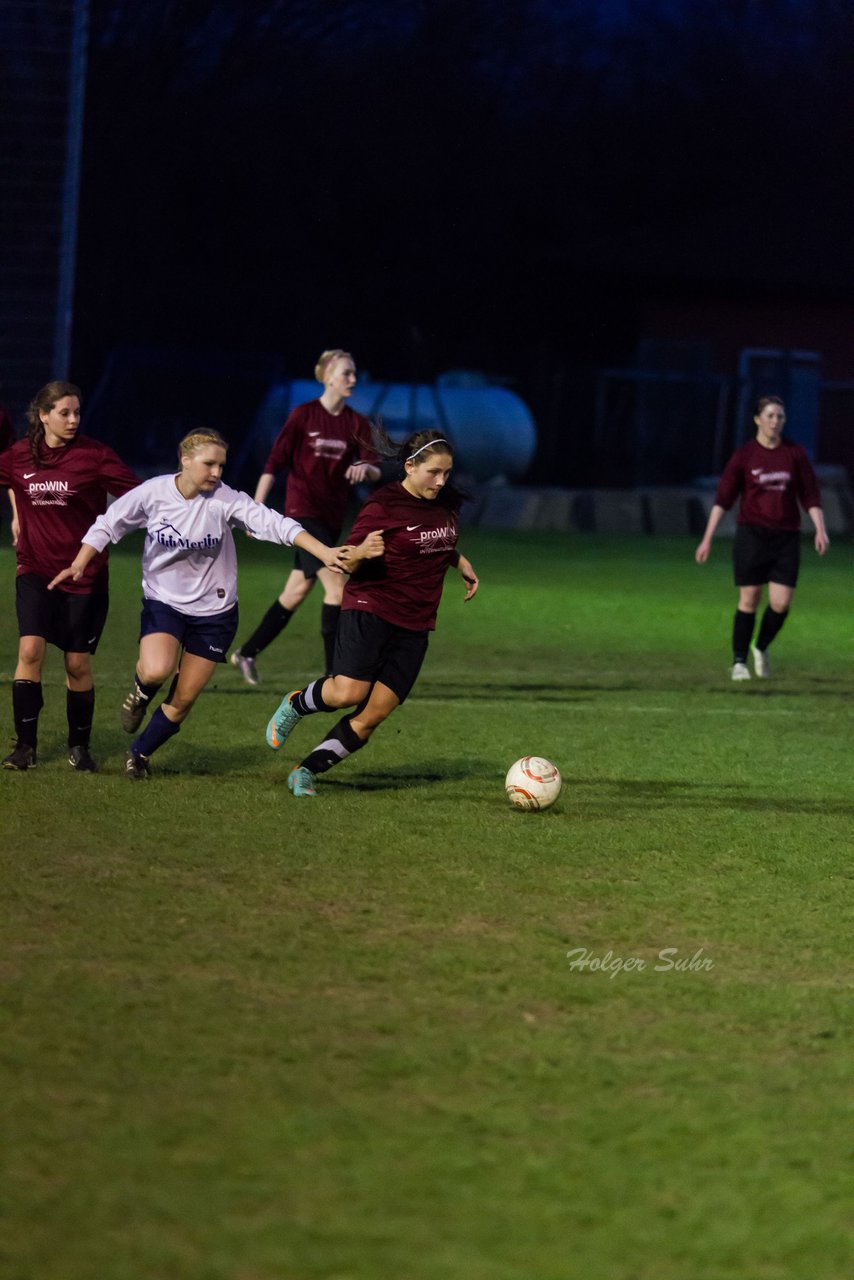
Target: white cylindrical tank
492 430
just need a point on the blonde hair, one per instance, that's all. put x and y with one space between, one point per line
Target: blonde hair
327 359
195 440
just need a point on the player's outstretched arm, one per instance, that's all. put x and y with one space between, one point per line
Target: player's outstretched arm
332 557
822 542
75 569
262 493
716 514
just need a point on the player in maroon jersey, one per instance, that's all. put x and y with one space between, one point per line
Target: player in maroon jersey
61 481
404 539
772 476
325 446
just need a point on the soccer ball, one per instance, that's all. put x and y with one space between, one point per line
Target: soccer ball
532 783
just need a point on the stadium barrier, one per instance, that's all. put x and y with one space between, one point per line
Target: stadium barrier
665 511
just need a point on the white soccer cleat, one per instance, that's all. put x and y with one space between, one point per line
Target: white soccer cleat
739 671
246 667
761 662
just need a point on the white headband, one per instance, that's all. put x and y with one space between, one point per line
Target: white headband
423 447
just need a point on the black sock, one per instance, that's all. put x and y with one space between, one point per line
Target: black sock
771 623
145 691
742 631
341 743
27 702
158 730
329 615
275 620
80 710
310 699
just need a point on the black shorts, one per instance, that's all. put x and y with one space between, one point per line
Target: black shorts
761 555
302 560
369 648
204 636
72 621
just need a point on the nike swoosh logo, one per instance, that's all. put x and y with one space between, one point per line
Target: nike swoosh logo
312 434
756 472
410 527
28 475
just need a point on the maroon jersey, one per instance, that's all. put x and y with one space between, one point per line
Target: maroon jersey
771 482
404 586
317 447
58 499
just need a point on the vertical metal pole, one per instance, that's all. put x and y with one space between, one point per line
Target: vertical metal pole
71 190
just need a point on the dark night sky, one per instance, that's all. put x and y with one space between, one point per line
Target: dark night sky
447 184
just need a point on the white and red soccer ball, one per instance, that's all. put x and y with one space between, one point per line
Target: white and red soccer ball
532 783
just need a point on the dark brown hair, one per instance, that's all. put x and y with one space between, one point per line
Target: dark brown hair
42 402
421 446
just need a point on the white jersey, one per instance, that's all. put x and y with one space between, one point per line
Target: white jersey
189 561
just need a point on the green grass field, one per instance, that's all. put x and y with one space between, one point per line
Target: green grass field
246 1037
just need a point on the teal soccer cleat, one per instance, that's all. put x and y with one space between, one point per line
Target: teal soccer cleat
301 781
282 723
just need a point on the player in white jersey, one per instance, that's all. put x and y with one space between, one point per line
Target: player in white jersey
189 579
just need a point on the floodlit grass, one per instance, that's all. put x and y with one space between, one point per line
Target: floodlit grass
249 1038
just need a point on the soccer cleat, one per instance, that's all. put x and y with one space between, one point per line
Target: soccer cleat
761 662
133 710
81 761
246 667
23 757
739 671
282 723
301 781
137 767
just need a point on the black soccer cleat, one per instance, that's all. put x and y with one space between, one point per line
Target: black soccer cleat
22 758
133 710
137 767
81 761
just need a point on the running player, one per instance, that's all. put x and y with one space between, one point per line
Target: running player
772 476
326 448
60 481
406 535
189 581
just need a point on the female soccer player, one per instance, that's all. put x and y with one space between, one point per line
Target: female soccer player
772 476
189 581
326 448
60 481
408 533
